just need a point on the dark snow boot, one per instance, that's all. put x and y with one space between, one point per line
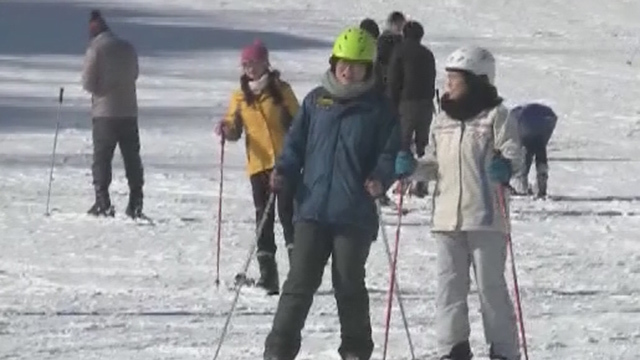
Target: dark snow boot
102 206
462 351
385 200
420 189
269 279
494 356
542 177
134 208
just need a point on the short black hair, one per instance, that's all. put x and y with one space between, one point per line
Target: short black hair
95 15
396 17
369 25
413 30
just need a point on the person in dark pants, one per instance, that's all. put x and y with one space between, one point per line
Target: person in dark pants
110 73
536 123
390 38
263 108
343 144
411 86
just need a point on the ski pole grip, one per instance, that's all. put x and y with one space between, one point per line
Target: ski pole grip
60 96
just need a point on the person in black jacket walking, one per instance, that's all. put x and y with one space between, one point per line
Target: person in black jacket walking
388 40
411 87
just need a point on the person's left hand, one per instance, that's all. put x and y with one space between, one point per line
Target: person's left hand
405 164
500 169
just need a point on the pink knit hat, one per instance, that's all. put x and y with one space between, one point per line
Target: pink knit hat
255 52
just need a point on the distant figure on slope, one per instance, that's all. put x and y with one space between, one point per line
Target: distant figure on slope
536 123
110 74
388 40
476 148
411 87
263 108
344 145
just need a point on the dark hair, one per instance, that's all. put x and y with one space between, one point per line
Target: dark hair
480 95
413 30
395 17
272 88
369 25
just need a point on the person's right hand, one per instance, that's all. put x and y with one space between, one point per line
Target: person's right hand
276 181
220 128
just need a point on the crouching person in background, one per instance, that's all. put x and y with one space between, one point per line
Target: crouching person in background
263 108
343 144
475 149
536 123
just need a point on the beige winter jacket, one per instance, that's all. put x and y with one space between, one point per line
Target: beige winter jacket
109 74
466 199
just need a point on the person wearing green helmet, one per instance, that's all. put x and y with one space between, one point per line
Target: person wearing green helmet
342 151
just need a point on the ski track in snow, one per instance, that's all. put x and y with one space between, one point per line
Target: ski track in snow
74 287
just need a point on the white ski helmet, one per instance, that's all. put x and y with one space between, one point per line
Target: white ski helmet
473 59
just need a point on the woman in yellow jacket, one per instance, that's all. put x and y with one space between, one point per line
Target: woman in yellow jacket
263 109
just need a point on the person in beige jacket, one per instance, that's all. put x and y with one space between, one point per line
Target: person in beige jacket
110 73
475 150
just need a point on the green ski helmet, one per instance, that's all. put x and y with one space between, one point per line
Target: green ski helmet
354 44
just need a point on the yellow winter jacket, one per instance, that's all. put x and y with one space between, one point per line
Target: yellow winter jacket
264 123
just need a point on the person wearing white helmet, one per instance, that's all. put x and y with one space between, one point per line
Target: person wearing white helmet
475 151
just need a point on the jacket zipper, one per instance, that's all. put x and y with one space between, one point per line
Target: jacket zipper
459 212
335 147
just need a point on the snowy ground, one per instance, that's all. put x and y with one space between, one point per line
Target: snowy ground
72 287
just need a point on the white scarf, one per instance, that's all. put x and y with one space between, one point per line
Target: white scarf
258 85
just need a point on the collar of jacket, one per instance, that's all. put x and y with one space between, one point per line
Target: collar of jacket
346 92
471 104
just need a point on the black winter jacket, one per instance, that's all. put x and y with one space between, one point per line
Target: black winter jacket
412 72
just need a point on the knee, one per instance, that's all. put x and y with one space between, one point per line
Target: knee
349 286
490 282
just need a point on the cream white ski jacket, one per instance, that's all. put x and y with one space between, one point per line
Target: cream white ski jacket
465 198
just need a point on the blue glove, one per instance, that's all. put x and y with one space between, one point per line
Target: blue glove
405 164
500 169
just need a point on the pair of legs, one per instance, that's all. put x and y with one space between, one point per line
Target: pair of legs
535 149
266 241
536 124
107 133
486 253
415 121
349 248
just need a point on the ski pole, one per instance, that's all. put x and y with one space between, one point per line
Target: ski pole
385 240
218 246
53 152
503 210
633 55
393 273
245 268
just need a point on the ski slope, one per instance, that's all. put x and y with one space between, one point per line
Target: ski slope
74 287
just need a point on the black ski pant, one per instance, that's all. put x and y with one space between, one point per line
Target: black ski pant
349 249
415 120
284 203
107 133
535 147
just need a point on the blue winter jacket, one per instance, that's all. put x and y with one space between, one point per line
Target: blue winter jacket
332 148
535 121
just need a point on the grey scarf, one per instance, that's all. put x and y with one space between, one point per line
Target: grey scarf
340 91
